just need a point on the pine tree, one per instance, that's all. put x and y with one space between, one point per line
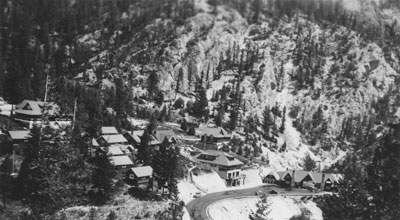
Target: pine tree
283 147
263 208
102 177
220 117
200 106
233 120
256 149
282 128
317 117
144 152
152 83
267 120
184 126
309 163
240 151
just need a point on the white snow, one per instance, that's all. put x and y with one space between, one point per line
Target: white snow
211 182
186 191
280 208
253 177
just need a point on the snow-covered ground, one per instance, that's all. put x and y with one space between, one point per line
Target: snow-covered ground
211 182
253 177
280 208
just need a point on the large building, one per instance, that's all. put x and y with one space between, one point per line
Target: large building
29 110
300 178
226 165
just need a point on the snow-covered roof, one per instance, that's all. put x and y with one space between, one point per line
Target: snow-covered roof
268 171
218 157
142 171
109 130
34 108
115 138
20 134
114 151
126 148
162 134
120 160
136 135
94 143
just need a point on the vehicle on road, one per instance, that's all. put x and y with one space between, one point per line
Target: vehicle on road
197 195
273 192
259 192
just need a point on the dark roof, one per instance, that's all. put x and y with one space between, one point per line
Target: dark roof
215 132
137 134
299 175
218 157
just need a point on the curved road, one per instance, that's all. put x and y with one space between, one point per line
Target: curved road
198 208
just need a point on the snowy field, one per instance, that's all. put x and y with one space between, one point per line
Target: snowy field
280 208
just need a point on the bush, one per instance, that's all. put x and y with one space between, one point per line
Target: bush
179 103
138 193
192 131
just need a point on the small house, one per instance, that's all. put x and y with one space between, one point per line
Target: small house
140 176
108 131
107 140
214 135
121 163
169 135
19 140
29 110
114 150
134 138
269 176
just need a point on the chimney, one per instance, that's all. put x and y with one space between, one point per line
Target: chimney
323 182
292 183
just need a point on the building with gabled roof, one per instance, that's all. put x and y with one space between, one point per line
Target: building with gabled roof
108 140
301 178
226 165
134 138
19 140
140 176
269 176
19 135
114 150
108 130
32 110
121 163
168 134
214 135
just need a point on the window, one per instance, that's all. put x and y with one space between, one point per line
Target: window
131 176
229 175
237 173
